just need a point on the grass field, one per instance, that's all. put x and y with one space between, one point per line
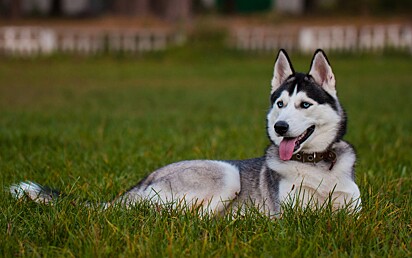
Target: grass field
93 127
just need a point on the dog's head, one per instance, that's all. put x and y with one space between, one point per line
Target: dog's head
305 113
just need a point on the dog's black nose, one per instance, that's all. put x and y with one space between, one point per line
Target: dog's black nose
281 127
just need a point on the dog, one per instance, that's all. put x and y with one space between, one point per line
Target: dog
307 162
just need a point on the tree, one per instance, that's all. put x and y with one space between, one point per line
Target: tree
15 9
56 8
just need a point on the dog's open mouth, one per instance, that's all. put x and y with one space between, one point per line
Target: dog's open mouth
291 144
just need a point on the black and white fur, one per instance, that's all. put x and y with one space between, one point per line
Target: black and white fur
302 106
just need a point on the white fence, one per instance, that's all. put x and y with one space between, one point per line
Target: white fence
335 38
260 38
26 41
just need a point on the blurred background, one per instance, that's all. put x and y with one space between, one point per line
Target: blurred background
96 94
32 27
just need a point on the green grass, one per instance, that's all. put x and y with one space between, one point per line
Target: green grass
93 127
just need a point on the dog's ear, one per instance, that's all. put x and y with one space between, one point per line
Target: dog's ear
282 70
321 72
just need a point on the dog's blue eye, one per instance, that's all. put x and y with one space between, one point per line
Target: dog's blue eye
305 105
280 104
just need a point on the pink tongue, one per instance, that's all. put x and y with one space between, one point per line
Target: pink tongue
286 147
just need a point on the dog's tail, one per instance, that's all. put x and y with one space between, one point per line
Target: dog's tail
42 194
35 192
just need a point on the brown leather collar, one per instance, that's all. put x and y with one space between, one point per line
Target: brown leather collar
315 157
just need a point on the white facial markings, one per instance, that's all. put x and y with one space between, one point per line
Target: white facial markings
325 119
295 91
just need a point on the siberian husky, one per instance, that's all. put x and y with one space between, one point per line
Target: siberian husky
307 163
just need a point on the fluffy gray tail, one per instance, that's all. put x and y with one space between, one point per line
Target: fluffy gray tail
35 192
43 194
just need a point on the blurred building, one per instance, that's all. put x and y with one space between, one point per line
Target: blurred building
178 10
290 6
47 7
167 9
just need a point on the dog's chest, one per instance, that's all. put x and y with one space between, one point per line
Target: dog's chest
307 182
308 176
